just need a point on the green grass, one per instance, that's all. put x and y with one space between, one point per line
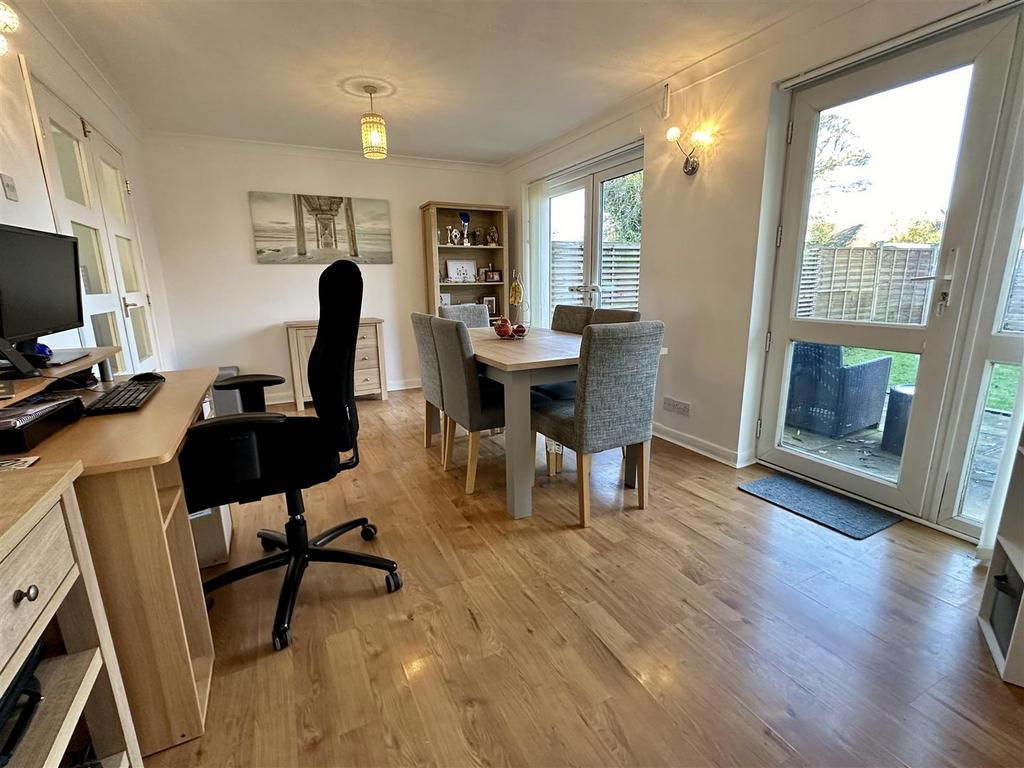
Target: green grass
1002 388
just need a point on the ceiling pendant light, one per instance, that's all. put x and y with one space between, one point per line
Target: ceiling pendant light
374 130
9 20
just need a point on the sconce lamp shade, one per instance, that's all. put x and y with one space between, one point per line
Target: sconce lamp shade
8 19
704 137
375 136
673 134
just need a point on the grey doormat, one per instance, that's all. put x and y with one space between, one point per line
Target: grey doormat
850 517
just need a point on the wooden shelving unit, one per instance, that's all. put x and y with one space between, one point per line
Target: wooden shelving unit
1001 615
437 217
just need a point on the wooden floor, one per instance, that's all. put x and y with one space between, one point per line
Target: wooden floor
710 629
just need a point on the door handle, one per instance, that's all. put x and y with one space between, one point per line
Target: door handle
127 305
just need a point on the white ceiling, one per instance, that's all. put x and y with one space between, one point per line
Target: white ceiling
475 80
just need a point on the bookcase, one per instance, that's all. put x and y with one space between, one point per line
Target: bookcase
439 252
1001 616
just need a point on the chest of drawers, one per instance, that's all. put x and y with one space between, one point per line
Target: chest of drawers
370 372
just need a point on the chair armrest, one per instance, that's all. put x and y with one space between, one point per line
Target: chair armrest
235 422
249 380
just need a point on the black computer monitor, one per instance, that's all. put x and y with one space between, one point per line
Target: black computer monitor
39 286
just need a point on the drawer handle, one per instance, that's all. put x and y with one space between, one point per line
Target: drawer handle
363 336
31 594
367 378
366 357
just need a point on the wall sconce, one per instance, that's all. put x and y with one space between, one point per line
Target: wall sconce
701 139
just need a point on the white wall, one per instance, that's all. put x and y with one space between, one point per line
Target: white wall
708 240
55 59
228 309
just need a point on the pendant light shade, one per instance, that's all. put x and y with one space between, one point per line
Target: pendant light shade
374 131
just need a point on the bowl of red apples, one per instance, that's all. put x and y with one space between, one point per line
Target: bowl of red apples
505 330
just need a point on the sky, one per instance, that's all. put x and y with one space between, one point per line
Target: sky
913 135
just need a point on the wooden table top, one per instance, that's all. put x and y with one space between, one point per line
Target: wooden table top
142 438
27 387
29 494
542 348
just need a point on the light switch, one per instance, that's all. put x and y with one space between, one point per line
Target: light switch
10 188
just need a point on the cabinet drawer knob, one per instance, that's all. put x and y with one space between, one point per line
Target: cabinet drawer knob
366 357
29 594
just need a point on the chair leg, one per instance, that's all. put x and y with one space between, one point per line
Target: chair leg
449 443
282 635
583 487
430 421
271 540
558 461
328 555
243 571
552 463
643 472
326 537
474 455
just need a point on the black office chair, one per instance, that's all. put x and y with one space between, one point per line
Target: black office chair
244 457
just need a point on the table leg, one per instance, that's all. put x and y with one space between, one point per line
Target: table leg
519 453
629 464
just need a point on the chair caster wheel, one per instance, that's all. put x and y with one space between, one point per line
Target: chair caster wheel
393 581
368 532
282 639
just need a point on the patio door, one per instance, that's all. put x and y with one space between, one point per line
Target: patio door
589 238
877 246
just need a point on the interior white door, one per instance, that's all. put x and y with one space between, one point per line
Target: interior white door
79 212
885 180
122 243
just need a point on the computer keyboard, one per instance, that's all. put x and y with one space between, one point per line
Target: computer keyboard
125 396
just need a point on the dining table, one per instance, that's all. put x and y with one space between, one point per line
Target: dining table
544 356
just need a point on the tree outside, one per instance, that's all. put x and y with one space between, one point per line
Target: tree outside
622 208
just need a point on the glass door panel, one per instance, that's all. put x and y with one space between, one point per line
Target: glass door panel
569 246
618 246
988 445
879 194
92 261
850 406
106 330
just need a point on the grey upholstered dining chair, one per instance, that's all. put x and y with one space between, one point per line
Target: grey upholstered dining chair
570 318
430 378
473 315
614 316
471 401
614 405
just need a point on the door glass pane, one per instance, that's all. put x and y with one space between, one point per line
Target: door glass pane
71 165
621 214
989 441
126 257
112 184
140 330
883 173
567 225
1013 313
90 260
850 406
108 334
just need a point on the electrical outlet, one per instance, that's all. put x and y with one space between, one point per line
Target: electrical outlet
677 406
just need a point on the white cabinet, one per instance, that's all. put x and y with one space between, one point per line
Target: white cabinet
370 372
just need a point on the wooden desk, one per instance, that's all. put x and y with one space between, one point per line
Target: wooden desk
43 545
100 356
137 526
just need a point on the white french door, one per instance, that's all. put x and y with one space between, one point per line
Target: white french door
878 244
586 239
90 201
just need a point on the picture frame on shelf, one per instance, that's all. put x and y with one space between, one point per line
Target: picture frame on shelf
491 302
461 270
446 299
492 276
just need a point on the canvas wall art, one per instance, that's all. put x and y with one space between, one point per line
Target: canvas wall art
320 229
